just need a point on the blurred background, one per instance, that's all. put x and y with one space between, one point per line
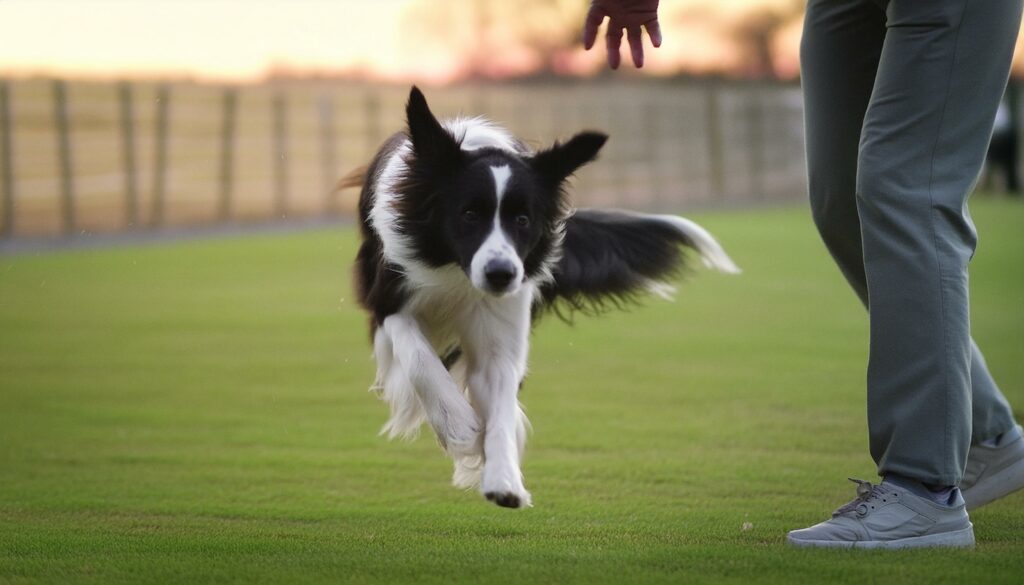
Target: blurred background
122 115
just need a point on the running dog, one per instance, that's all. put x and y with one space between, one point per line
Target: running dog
467 237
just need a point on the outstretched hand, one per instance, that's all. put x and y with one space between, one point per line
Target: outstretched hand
623 14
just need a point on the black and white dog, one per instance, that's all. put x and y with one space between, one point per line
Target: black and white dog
467 236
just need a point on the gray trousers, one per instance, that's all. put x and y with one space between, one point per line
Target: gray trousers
900 98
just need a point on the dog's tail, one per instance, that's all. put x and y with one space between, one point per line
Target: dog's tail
610 258
353 179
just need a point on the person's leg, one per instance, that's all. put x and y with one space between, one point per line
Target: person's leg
843 46
991 415
943 69
839 54
840 51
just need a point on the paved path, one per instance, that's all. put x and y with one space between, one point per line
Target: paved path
87 240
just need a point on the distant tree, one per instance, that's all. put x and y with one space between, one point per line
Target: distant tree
488 35
551 27
754 34
493 37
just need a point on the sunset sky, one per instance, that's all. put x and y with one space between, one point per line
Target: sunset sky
210 38
388 39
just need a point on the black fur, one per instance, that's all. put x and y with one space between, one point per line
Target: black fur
378 283
444 183
559 162
473 237
608 257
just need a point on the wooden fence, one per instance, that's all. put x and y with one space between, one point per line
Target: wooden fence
102 157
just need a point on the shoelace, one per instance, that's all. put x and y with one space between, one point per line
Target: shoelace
866 493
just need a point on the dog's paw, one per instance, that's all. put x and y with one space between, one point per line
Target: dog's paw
509 499
461 436
505 488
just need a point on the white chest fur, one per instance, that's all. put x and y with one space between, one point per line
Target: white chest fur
451 311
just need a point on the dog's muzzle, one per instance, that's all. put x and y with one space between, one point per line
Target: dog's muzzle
500 274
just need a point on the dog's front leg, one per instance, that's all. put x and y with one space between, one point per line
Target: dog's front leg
449 413
495 387
496 355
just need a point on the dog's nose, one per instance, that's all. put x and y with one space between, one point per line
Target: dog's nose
499 274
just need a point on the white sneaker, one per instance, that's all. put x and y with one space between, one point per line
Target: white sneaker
888 516
993 472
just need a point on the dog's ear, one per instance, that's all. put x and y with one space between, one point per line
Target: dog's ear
561 160
431 142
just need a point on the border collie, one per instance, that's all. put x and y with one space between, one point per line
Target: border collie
467 237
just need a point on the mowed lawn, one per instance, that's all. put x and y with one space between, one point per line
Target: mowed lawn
197 412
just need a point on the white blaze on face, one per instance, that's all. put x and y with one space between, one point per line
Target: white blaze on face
496 247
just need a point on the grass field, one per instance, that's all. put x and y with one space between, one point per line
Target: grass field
198 412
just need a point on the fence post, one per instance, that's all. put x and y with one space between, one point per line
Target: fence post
755 119
716 155
60 103
652 154
478 102
163 98
372 113
328 157
227 153
6 162
279 112
131 193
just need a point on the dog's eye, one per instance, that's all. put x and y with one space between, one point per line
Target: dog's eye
522 221
469 216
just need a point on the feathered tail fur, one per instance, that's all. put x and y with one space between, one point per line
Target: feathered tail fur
609 258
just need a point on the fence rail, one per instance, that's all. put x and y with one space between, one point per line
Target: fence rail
102 157
6 163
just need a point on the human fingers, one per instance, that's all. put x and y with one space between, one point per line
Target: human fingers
593 21
654 31
613 40
636 45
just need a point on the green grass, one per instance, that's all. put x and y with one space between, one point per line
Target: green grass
198 412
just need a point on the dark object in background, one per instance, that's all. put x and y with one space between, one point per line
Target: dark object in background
1002 150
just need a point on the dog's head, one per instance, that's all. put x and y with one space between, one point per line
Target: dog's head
494 211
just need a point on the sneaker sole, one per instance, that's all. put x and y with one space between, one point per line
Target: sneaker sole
963 538
999 485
